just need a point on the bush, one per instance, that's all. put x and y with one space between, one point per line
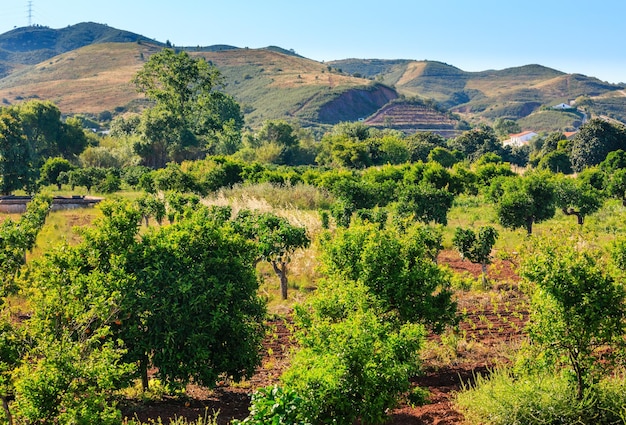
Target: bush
276 406
355 368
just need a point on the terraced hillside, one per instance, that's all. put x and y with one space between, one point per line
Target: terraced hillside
411 116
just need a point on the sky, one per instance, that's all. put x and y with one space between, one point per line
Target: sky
474 35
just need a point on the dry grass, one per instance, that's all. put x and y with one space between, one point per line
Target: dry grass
87 80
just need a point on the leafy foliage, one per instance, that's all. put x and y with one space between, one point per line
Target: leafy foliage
275 405
354 362
189 112
523 201
577 309
17 154
476 247
276 240
577 197
506 397
595 140
16 238
397 268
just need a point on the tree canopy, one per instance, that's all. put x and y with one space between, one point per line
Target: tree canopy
190 111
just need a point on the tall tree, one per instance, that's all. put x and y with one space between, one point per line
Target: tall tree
44 128
189 107
594 141
477 142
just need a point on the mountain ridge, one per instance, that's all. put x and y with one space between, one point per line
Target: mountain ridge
88 67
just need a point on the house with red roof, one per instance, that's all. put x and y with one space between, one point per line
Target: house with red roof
520 139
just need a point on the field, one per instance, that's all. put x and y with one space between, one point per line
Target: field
490 330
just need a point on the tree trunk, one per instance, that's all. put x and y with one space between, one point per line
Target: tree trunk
529 225
7 412
483 267
143 365
282 274
580 219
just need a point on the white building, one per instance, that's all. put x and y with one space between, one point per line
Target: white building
562 106
519 139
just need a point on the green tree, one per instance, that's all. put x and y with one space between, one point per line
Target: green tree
398 269
503 127
424 203
52 169
353 367
182 298
443 156
17 154
476 246
594 141
577 309
616 186
421 143
87 177
190 109
151 206
203 276
523 201
276 240
576 197
73 366
12 346
477 142
18 237
557 161
44 128
615 160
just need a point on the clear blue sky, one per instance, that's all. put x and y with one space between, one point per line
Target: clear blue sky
568 35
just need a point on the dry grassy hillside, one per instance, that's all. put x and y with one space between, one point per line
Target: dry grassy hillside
88 80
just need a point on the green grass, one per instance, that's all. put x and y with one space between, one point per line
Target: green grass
540 398
550 121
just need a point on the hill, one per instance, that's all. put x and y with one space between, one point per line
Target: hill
413 115
87 68
35 44
513 93
270 83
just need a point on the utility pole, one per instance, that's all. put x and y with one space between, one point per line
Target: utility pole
30 13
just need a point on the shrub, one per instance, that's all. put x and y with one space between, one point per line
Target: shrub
355 368
275 405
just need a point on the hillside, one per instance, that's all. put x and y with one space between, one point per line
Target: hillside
87 68
509 93
35 44
90 79
269 83
412 116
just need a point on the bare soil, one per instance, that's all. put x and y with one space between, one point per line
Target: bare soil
490 328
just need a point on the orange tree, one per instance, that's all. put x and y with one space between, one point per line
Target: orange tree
179 298
578 316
